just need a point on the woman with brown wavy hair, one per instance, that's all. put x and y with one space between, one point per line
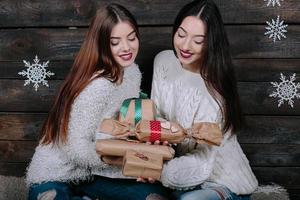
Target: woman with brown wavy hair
104 74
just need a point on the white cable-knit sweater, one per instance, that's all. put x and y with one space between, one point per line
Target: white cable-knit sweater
181 96
78 160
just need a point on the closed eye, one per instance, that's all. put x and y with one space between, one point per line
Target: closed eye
180 35
132 39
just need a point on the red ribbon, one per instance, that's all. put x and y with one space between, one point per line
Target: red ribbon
155 128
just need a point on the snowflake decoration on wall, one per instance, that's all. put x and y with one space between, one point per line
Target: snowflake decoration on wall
36 73
276 29
273 2
286 90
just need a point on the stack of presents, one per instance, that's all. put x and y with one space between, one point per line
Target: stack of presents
129 135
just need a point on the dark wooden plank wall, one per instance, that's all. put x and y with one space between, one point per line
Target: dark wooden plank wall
54 31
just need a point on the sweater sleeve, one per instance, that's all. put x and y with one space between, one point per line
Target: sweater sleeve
195 167
86 114
155 93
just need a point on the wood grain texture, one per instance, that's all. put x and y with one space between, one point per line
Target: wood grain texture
62 44
257 129
259 155
54 30
22 13
254 97
247 70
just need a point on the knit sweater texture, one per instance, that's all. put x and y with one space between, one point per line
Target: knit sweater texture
181 96
77 159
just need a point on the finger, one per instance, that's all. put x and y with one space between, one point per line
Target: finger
148 143
151 180
140 179
157 142
165 143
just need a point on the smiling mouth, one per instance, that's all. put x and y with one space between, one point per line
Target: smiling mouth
185 54
126 57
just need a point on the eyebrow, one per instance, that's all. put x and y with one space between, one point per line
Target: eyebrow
127 35
195 35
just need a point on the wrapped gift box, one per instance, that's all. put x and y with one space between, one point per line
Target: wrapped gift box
134 110
113 147
142 164
152 130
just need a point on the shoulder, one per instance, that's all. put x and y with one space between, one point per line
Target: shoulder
100 84
163 63
164 56
97 89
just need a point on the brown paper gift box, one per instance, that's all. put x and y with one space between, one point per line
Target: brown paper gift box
112 147
169 131
142 131
202 132
142 164
148 111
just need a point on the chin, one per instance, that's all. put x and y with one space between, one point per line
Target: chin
185 61
125 64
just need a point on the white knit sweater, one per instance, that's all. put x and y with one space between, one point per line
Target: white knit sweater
181 96
78 160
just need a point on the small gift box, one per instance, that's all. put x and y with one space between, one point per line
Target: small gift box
142 164
113 147
134 110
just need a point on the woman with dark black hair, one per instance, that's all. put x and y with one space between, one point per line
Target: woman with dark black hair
195 83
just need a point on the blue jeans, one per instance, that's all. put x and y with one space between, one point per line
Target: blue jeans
210 193
102 188
52 190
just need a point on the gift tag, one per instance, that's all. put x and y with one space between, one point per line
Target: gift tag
166 125
174 129
141 156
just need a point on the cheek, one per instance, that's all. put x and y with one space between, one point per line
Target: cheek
176 43
114 50
135 45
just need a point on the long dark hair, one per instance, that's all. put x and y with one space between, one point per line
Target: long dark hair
94 56
216 64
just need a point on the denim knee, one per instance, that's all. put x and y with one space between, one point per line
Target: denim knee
49 191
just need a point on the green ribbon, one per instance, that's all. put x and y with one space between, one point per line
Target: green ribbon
143 95
137 109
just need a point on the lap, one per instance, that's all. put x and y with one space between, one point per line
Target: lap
51 190
122 189
211 193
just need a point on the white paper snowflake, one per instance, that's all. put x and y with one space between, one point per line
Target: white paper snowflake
273 2
276 29
286 90
36 73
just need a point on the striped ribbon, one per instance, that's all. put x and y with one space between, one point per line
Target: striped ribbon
155 128
137 108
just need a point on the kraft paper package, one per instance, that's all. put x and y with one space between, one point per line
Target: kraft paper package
113 147
142 164
152 130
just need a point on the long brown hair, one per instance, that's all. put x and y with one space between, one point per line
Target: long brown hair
94 56
216 66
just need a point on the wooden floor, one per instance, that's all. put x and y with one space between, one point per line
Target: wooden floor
54 31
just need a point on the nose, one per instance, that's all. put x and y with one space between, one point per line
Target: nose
125 46
186 44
